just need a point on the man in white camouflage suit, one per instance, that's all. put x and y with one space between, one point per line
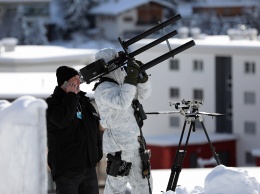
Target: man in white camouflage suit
114 96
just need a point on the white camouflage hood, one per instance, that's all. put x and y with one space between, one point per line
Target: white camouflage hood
108 54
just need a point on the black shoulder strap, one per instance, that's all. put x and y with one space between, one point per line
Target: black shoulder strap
103 79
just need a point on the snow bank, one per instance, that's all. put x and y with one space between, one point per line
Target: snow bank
228 180
224 180
23 146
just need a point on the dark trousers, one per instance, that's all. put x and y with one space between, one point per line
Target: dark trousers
77 182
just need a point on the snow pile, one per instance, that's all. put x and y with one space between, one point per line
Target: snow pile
224 180
230 180
23 146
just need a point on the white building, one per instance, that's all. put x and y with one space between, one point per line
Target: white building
123 17
224 73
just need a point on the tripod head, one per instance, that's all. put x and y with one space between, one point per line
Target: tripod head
187 107
190 109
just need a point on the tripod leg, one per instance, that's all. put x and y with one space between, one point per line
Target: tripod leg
211 146
149 185
176 168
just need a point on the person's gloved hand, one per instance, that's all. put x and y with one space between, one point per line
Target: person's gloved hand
140 63
142 77
132 72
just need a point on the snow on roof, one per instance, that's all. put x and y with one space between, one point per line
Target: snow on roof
39 85
39 54
220 43
116 7
224 40
196 138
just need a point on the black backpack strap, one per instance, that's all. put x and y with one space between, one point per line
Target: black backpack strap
103 79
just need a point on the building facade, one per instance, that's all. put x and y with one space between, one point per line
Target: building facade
223 73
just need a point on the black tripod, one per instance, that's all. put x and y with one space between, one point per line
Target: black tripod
190 118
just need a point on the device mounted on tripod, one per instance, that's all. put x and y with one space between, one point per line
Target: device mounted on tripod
99 68
190 110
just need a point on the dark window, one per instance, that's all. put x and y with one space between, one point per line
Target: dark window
174 64
249 67
174 92
128 19
250 128
198 94
249 98
36 10
198 65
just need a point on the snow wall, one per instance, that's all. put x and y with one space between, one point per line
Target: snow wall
23 143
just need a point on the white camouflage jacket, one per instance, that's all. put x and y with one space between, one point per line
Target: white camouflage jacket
114 102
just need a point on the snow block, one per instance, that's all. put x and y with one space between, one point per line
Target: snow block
23 144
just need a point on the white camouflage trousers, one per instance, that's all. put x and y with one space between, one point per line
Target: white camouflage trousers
117 185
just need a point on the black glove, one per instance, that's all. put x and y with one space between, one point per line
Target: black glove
132 72
142 77
140 63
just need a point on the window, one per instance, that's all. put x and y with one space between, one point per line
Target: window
149 14
198 65
174 64
174 93
128 19
174 121
249 67
249 97
198 94
250 128
11 11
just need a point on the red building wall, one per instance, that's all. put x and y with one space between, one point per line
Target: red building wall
162 157
257 161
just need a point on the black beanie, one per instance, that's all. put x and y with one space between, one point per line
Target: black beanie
64 73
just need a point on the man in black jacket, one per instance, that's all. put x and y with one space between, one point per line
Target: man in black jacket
74 141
